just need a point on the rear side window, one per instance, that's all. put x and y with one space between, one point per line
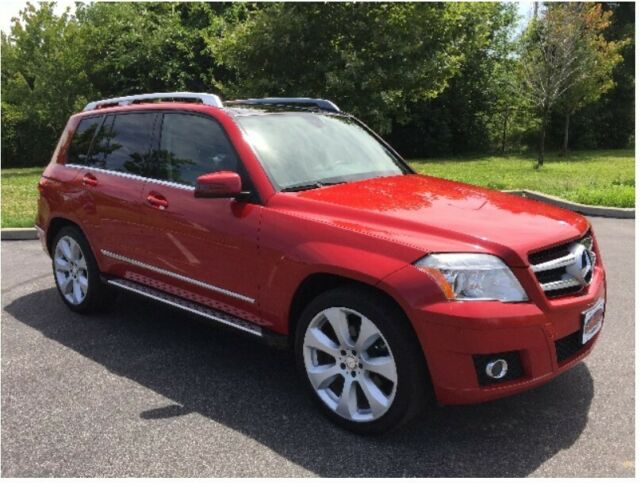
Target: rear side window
81 141
192 145
123 143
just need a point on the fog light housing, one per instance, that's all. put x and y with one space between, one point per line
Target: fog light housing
499 367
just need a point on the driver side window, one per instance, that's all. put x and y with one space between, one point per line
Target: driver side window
192 145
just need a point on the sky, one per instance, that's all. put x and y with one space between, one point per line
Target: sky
11 8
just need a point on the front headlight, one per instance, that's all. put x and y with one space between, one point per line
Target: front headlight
473 276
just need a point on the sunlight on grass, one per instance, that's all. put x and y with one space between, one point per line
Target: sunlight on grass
19 196
588 177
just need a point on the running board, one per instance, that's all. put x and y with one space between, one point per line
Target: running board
186 305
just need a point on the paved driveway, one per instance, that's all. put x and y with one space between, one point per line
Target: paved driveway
149 391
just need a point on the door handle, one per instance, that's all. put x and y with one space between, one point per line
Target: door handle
157 200
89 180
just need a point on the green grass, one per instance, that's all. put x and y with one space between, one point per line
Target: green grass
604 178
589 177
19 196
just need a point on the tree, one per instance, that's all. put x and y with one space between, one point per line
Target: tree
373 59
42 83
596 59
479 101
551 57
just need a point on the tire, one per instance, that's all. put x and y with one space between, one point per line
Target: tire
76 273
372 381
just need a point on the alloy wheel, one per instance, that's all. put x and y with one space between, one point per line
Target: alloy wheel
349 364
70 269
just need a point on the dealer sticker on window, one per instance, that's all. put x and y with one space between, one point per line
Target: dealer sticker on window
592 320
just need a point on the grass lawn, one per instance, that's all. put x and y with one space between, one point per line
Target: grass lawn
19 196
589 177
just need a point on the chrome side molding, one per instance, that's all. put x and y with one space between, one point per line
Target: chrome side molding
184 278
185 305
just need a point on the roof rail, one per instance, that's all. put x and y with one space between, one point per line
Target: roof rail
204 98
323 104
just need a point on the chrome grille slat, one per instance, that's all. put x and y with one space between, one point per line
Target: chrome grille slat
569 270
553 264
560 284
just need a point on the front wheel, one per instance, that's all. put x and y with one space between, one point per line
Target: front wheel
360 360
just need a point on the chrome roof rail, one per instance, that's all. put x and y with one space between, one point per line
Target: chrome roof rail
204 98
322 104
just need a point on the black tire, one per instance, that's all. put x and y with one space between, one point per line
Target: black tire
99 296
413 386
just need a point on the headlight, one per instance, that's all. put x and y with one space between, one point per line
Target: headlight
473 276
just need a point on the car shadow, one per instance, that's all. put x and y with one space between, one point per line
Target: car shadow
238 381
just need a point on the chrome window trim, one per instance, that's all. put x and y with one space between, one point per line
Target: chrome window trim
177 276
131 176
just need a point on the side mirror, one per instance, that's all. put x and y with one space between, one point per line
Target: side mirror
218 185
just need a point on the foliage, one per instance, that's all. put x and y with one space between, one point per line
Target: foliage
42 83
565 60
467 116
373 59
434 78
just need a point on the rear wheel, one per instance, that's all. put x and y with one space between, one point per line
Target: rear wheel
360 360
76 273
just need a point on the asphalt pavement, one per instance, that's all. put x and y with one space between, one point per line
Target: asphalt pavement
145 390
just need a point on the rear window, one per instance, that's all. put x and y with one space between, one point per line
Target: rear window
81 141
123 143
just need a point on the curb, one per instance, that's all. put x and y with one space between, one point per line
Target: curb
587 210
18 234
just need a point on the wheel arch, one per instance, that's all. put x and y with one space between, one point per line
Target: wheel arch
317 283
54 227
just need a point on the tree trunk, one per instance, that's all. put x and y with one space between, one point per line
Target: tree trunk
543 128
565 142
504 130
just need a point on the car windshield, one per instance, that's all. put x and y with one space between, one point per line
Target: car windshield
304 150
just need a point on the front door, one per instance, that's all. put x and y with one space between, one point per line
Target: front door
202 249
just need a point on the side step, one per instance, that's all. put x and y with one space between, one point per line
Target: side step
186 305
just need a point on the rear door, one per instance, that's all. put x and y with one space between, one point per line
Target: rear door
113 176
203 249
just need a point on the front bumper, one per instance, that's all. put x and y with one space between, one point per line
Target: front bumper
543 333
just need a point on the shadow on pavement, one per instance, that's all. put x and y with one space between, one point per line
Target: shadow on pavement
238 381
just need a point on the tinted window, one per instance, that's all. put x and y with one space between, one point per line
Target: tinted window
123 143
191 146
81 141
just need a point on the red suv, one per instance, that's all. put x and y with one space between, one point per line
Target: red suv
287 218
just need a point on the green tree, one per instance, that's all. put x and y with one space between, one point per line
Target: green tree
596 59
42 83
372 59
565 60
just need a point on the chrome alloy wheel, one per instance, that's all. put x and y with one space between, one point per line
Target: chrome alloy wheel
349 364
70 269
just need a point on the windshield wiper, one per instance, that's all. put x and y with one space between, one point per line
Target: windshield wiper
311 185
304 186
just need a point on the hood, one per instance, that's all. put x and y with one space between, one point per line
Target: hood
433 214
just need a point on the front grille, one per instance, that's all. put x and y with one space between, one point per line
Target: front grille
569 346
565 269
514 371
